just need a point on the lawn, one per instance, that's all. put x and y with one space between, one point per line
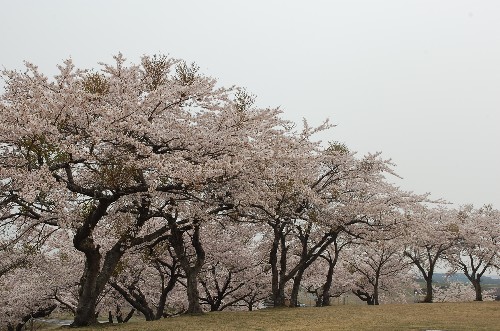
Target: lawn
437 316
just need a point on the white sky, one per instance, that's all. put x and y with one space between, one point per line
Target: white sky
418 80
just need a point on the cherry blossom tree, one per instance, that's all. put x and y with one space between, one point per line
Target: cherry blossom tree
29 291
331 192
234 267
129 149
24 295
284 185
377 266
146 186
477 245
455 292
427 241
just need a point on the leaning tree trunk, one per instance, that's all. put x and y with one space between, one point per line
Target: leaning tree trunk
136 299
294 298
325 296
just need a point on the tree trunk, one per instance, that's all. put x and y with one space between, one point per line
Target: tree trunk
191 268
163 297
88 291
428 294
129 315
136 299
325 296
193 294
364 296
375 293
278 292
319 300
88 294
477 288
294 298
475 279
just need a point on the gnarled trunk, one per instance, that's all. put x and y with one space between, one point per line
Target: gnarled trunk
194 306
191 268
87 300
95 277
89 291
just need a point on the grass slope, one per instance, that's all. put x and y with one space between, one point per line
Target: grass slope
437 316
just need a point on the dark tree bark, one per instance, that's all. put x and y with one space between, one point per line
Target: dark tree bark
88 291
129 315
332 262
279 251
309 253
429 292
278 296
477 287
294 297
119 315
95 277
323 294
190 268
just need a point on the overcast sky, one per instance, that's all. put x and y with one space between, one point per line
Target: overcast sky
418 80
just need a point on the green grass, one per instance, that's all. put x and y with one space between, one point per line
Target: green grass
442 316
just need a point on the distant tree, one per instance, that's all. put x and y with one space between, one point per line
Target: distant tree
477 244
455 292
428 238
377 266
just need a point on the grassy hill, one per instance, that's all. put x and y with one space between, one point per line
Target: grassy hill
437 316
